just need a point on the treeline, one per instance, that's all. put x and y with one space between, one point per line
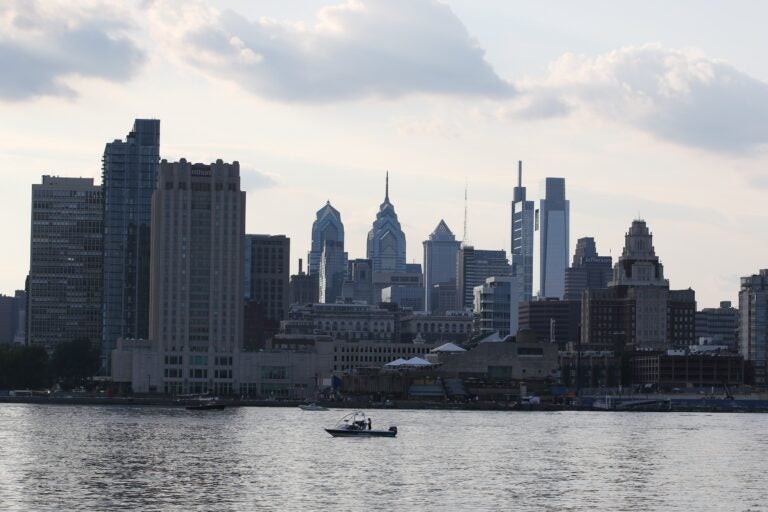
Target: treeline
72 364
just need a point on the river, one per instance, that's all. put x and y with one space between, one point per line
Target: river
159 458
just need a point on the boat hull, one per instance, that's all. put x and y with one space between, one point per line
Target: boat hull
338 432
207 407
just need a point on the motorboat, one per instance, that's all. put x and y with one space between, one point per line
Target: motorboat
357 424
206 404
312 407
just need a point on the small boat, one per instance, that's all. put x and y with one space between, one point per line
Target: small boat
206 404
312 407
356 424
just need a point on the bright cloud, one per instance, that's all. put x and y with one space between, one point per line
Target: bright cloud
680 96
362 48
44 42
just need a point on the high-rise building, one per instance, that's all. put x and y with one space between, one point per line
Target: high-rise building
327 226
553 320
473 267
440 253
266 259
65 262
333 269
358 285
129 174
303 288
196 315
12 311
495 305
638 310
588 270
522 237
718 326
386 241
551 226
753 323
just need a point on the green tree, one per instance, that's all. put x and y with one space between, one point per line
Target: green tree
23 367
74 363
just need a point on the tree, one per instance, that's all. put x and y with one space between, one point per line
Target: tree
74 363
23 367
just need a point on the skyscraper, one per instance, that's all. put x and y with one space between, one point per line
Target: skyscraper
473 267
266 273
496 305
327 226
588 270
551 224
386 241
129 171
333 270
753 323
196 318
65 262
522 237
440 253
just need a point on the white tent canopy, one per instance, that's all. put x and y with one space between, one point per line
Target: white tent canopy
417 361
397 362
448 347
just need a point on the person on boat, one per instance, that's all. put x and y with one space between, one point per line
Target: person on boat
369 423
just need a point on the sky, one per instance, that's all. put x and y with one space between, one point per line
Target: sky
651 109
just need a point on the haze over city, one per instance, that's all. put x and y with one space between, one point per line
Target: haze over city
646 110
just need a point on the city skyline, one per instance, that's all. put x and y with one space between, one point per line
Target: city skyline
430 137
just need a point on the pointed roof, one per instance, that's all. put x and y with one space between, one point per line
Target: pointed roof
417 361
397 362
442 232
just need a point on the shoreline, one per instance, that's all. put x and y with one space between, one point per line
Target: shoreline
723 406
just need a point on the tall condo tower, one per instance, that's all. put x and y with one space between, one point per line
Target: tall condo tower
198 228
327 226
440 253
551 226
386 241
522 238
129 172
65 265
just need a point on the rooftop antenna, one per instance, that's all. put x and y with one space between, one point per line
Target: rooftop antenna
386 188
520 173
465 240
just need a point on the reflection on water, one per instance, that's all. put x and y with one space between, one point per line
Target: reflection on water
153 458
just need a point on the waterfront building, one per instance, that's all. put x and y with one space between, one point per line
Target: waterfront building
266 259
386 240
473 267
522 236
333 269
495 305
753 323
588 269
327 226
129 175
65 262
552 320
358 285
667 371
440 254
196 314
718 326
551 227
638 310
304 288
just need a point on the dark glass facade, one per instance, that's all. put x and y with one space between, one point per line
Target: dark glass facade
129 172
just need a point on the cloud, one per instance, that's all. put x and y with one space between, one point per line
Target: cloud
679 96
44 42
251 179
362 48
